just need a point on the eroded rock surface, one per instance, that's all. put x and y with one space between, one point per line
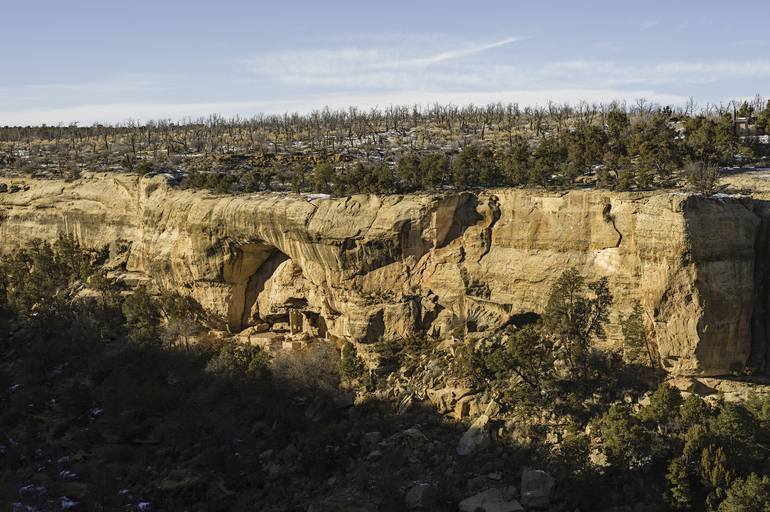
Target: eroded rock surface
367 268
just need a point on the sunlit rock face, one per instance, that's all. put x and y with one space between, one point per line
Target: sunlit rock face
376 267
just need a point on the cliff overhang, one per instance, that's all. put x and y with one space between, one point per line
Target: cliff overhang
377 267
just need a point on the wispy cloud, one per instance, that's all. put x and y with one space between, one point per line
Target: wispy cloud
373 71
675 72
385 66
459 54
473 64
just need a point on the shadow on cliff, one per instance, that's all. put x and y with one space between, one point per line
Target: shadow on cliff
760 322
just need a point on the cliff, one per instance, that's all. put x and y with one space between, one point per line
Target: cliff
368 268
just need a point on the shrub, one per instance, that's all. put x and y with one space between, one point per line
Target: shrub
624 441
703 178
241 361
693 411
636 345
144 167
664 405
142 316
469 364
532 357
309 369
750 494
351 367
679 493
573 317
37 277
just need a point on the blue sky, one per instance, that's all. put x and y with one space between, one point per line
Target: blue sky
87 61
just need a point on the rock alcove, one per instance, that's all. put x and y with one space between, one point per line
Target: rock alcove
270 289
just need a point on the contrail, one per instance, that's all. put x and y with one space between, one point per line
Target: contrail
457 54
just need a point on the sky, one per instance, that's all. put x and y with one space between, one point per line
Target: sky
86 61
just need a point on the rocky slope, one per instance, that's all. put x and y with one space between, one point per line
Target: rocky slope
367 268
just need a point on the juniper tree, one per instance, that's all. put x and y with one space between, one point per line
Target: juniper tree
635 338
575 314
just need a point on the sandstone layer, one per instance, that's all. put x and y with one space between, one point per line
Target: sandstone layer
368 268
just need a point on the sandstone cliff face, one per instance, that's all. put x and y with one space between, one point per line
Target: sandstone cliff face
367 267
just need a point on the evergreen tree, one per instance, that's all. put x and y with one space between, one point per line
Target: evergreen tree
679 492
763 119
142 316
636 344
434 168
532 357
351 367
411 177
516 163
616 165
323 178
298 172
664 406
693 411
624 441
716 474
750 494
575 317
654 143
465 168
548 161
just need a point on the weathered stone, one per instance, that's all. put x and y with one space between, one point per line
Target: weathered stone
475 405
265 340
442 399
293 344
365 265
476 437
462 407
598 458
260 327
491 500
422 496
445 398
372 437
281 327
536 488
690 385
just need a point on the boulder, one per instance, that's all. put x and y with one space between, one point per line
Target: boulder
536 488
260 327
422 496
476 437
491 500
445 398
690 385
471 406
442 399
372 437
